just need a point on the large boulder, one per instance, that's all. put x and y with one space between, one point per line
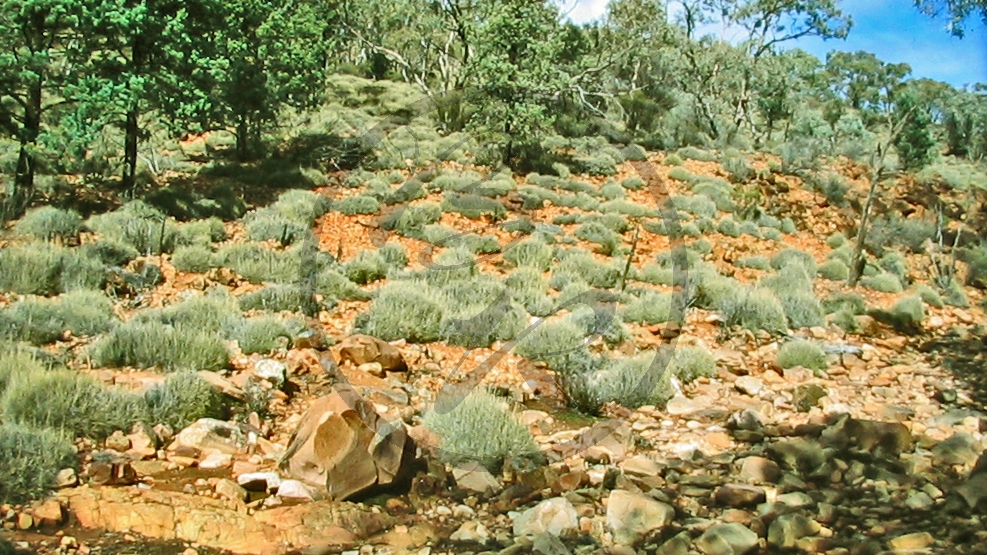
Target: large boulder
343 447
632 516
363 349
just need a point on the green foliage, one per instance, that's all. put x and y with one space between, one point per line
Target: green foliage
738 169
553 342
753 261
849 301
404 310
359 204
154 344
847 320
755 309
672 160
794 256
802 309
915 144
533 253
884 282
928 295
955 296
410 220
831 185
192 258
200 232
800 352
748 227
633 183
682 174
31 461
788 226
582 266
182 399
836 240
635 152
698 205
137 224
47 222
693 153
279 298
527 287
47 269
629 381
649 308
110 253
595 232
834 270
905 316
908 233
42 321
473 207
728 227
367 267
894 263
655 274
260 335
690 362
481 427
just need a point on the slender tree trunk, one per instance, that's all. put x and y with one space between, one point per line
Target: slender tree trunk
242 131
17 200
131 141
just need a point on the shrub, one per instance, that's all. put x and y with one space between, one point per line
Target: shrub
672 160
68 402
257 264
409 220
480 427
260 335
771 234
581 201
690 229
136 224
693 153
633 183
802 309
894 263
720 191
42 321
527 286
269 225
594 232
800 352
698 205
847 320
551 342
359 204
884 282
769 221
682 174
404 310
201 232
727 226
955 296
790 279
836 240
149 344
193 258
790 256
905 316
850 301
748 227
625 207
834 270
47 269
47 223
615 222
394 255
582 265
928 295
634 152
655 274
631 382
595 164
690 362
367 267
280 298
334 285
755 309
531 252
612 191
110 253
31 461
830 185
649 308
182 399
844 254
756 262
788 226
473 207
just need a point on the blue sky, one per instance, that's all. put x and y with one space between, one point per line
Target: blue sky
894 30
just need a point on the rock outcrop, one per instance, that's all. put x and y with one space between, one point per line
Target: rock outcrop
364 349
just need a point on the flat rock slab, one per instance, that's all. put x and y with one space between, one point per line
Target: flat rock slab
218 523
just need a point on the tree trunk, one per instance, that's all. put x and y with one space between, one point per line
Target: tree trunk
16 201
242 131
131 140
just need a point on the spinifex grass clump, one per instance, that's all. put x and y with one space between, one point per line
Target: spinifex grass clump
593 232
532 253
31 459
481 427
46 269
137 224
48 223
755 309
404 309
155 344
40 321
803 353
288 220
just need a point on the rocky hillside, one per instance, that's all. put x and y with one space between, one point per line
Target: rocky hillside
647 352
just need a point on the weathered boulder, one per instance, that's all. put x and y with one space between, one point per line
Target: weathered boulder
210 435
631 516
554 516
343 447
727 539
361 349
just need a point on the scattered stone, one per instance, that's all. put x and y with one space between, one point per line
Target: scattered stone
919 501
678 545
272 371
342 446
746 420
24 521
631 516
209 434
739 495
117 442
259 481
372 368
230 490
294 489
749 385
911 542
759 470
220 384
681 405
640 465
727 539
216 460
471 531
788 528
795 499
473 476
554 516
548 544
66 478
806 396
361 349
48 513
960 449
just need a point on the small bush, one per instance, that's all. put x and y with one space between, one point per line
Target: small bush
769 221
672 160
847 320
788 226
269 225
789 256
690 362
136 224
720 191
150 344
929 295
633 183
836 240
625 207
280 298
800 352
42 321
31 461
894 263
697 205
905 316
728 227
47 222
831 185
650 308
581 265
257 264
790 279
409 220
394 255
884 282
359 204
631 382
595 164
955 296
201 232
480 427
473 207
404 310
552 342
531 252
834 270
851 301
693 153
738 169
260 335
615 222
594 232
47 269
634 152
193 258
182 399
682 174
110 253
756 262
367 267
748 227
527 286
844 254
802 309
755 309
612 191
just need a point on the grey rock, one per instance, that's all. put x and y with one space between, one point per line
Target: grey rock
739 495
678 545
259 481
554 516
749 385
759 470
271 370
789 528
548 544
473 476
632 516
727 539
807 396
960 449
